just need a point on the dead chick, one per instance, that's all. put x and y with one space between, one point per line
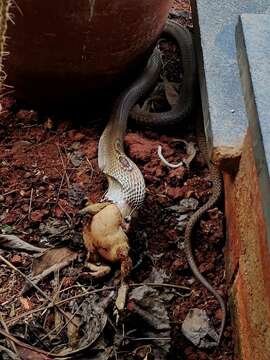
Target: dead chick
104 234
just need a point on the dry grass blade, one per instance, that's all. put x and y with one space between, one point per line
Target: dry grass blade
61 302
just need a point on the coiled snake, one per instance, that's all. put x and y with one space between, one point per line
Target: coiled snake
126 184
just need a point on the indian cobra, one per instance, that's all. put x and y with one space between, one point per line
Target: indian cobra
126 184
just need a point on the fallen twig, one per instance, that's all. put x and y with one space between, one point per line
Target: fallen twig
35 286
10 353
4 325
61 302
64 165
162 285
22 344
30 204
56 267
150 338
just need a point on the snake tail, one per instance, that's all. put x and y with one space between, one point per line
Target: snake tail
193 221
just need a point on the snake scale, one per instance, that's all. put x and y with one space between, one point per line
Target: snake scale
126 184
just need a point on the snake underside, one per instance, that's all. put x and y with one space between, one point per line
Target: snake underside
126 186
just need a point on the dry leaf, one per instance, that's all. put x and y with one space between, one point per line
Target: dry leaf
27 354
121 296
14 242
196 327
172 95
52 260
52 257
26 303
149 306
93 319
73 329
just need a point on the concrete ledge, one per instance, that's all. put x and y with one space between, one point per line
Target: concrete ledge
248 259
222 99
253 49
247 197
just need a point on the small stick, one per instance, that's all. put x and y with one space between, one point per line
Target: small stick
162 285
85 294
62 327
91 167
150 338
64 165
60 188
22 344
30 204
10 192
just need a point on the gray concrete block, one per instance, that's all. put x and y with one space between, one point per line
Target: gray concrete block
253 50
222 98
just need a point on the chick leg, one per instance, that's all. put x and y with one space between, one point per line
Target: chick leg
98 271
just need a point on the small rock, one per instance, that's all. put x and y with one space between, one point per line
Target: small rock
206 267
175 192
191 281
24 193
219 314
179 264
27 175
182 217
178 173
16 260
58 212
185 206
78 136
76 158
38 215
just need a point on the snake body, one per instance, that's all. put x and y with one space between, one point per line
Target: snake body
126 186
173 117
195 218
126 183
183 107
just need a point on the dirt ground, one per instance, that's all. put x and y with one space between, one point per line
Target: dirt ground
48 171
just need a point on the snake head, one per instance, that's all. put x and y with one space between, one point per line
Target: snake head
126 223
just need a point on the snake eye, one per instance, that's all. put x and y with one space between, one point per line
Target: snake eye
127 219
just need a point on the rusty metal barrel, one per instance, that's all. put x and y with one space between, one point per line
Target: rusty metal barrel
65 50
